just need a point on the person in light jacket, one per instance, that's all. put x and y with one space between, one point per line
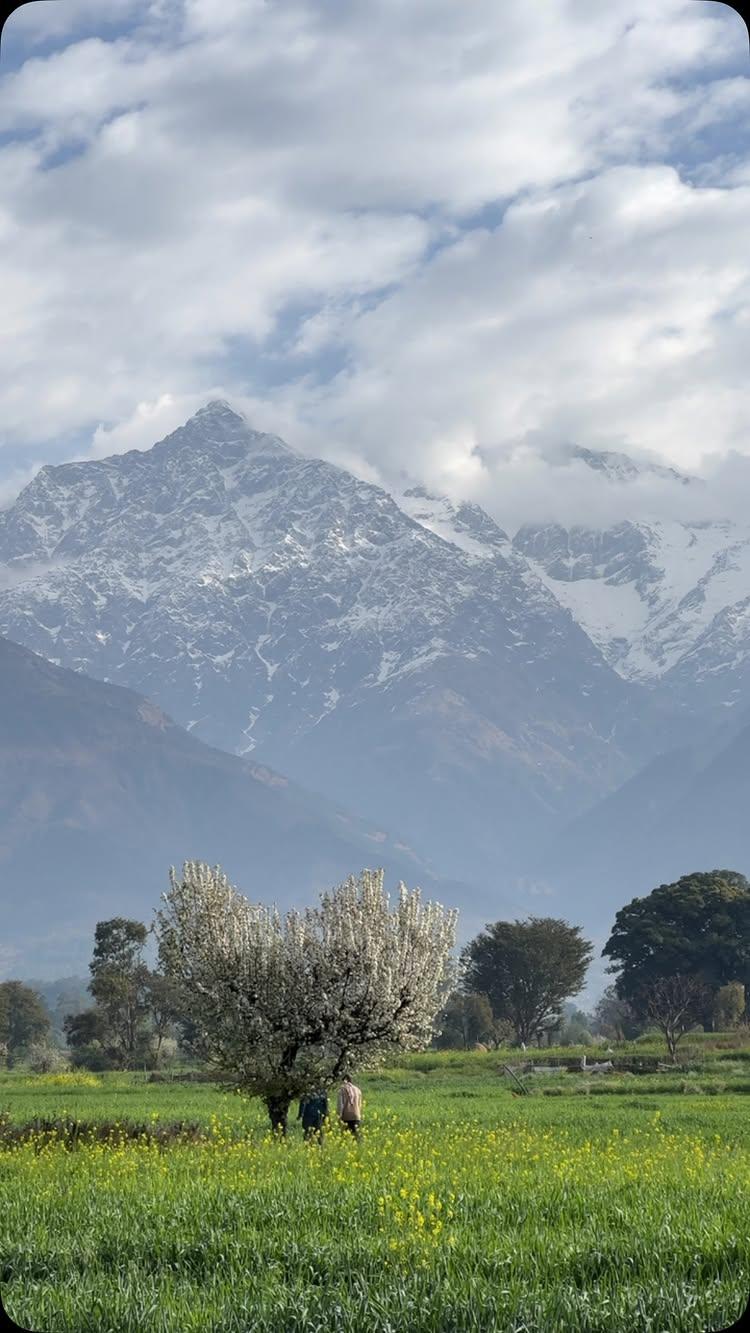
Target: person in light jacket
350 1106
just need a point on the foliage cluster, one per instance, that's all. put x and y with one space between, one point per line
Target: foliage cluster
23 1020
681 948
135 1008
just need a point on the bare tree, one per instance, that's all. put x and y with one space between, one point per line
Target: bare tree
674 1004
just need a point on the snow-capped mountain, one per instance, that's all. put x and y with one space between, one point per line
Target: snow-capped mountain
422 675
667 601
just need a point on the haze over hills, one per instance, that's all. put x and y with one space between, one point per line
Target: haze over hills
686 810
473 691
666 601
100 792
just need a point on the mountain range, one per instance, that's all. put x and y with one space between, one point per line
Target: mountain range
477 695
276 605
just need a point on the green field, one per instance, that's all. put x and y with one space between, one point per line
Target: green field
463 1208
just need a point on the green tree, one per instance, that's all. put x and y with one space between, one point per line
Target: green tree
698 926
134 1008
575 1028
527 969
120 989
729 1006
163 1005
614 1018
464 1021
23 1018
88 1038
86 1028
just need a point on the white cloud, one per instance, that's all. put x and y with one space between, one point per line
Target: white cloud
176 188
40 21
15 481
612 313
148 423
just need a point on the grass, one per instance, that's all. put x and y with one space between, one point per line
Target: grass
463 1209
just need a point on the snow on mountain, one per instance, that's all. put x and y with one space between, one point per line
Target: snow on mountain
662 599
464 524
668 604
646 593
666 601
275 603
715 669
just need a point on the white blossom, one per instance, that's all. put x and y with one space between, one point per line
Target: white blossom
284 1004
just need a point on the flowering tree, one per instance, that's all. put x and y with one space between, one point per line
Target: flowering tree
285 1004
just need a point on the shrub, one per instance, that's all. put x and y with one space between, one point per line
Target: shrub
92 1057
163 1053
44 1058
70 1079
729 1006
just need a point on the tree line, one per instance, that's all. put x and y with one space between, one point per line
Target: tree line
680 956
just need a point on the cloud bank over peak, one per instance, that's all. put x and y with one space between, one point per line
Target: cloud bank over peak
439 241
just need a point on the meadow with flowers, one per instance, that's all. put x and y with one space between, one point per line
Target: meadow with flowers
126 1205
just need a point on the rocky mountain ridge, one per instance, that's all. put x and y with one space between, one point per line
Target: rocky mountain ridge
666 600
276 604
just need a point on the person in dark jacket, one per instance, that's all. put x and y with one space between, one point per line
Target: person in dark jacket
313 1109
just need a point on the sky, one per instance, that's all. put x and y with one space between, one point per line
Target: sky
437 241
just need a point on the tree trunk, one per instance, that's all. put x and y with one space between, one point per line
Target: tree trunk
278 1110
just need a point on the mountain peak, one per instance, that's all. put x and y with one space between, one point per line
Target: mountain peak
218 409
619 467
216 429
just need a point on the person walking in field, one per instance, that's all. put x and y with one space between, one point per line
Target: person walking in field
313 1110
350 1105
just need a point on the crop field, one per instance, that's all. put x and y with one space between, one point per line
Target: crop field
128 1205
